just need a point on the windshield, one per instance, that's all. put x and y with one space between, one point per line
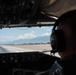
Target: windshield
25 39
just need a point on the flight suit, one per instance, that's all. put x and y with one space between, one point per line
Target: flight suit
66 66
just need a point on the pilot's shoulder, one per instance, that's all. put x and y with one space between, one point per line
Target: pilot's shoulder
64 66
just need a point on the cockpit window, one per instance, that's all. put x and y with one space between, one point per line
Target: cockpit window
25 39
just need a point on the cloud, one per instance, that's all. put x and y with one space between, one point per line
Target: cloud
27 35
22 36
6 38
46 34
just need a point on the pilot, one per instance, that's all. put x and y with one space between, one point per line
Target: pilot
63 41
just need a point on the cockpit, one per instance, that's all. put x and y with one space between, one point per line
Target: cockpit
25 29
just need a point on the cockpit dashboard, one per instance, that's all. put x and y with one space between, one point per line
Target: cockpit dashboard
27 63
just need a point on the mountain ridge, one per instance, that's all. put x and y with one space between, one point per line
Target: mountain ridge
40 39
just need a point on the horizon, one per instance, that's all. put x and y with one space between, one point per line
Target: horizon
13 34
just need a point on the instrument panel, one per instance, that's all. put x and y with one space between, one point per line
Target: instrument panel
20 57
16 11
28 62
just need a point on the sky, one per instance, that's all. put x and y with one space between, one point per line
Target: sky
11 34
